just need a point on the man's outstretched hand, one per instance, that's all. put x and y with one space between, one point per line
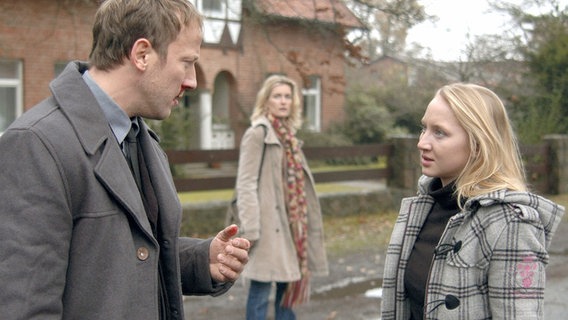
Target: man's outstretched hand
228 256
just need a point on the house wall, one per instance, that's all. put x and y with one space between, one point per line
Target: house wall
44 32
287 48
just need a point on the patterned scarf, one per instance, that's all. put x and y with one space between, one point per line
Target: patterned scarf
296 292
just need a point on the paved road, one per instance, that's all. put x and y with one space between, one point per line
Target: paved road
342 295
555 302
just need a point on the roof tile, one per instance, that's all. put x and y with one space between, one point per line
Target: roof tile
330 11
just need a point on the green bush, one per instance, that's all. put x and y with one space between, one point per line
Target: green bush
175 132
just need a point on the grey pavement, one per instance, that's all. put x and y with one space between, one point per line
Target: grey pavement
555 302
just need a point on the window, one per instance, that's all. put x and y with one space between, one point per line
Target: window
212 8
212 5
10 92
222 25
221 99
312 104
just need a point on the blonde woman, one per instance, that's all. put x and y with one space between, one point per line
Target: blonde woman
277 204
473 243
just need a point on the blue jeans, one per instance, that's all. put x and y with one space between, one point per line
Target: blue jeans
257 303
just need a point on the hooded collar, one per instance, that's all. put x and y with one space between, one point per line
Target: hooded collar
527 206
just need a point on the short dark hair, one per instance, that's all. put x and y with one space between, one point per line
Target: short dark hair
120 23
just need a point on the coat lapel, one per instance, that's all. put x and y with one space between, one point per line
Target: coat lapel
96 137
113 172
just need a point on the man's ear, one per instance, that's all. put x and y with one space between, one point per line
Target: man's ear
140 52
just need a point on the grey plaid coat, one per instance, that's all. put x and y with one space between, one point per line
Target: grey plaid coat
490 261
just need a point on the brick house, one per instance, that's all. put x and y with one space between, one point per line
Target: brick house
244 41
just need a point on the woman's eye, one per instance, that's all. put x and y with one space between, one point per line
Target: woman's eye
439 133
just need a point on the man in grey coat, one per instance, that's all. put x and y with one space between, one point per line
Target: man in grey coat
81 237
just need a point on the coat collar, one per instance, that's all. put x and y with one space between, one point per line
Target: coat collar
527 206
85 117
271 136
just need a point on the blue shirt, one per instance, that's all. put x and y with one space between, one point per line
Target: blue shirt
116 117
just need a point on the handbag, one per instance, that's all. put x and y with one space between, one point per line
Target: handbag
232 215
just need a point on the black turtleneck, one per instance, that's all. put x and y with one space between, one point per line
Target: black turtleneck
416 274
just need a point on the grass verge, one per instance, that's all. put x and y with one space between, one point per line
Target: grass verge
357 232
227 194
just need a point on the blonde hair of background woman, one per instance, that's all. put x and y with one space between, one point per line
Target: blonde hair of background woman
495 160
294 121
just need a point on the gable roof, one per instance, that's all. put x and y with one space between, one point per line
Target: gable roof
328 11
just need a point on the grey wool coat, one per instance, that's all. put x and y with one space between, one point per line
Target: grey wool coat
75 241
489 263
262 210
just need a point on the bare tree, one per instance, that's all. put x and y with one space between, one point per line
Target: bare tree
539 39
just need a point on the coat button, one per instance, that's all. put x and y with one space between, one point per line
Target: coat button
142 253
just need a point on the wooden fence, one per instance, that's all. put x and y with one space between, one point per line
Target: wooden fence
536 159
214 181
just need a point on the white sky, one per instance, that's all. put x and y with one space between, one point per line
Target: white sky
446 38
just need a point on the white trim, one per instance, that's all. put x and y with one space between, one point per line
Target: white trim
17 84
205 117
314 91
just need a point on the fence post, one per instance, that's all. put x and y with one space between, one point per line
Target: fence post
404 166
558 161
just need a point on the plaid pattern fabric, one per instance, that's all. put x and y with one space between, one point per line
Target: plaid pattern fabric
495 265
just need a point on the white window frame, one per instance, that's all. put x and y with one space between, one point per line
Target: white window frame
220 9
16 83
312 124
212 13
227 15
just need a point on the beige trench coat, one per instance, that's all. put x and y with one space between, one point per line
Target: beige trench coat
262 210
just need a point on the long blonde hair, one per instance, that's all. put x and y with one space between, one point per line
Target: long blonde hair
294 121
495 160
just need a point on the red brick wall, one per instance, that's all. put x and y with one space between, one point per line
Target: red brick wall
41 33
267 49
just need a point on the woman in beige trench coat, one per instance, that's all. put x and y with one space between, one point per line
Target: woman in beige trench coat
278 208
